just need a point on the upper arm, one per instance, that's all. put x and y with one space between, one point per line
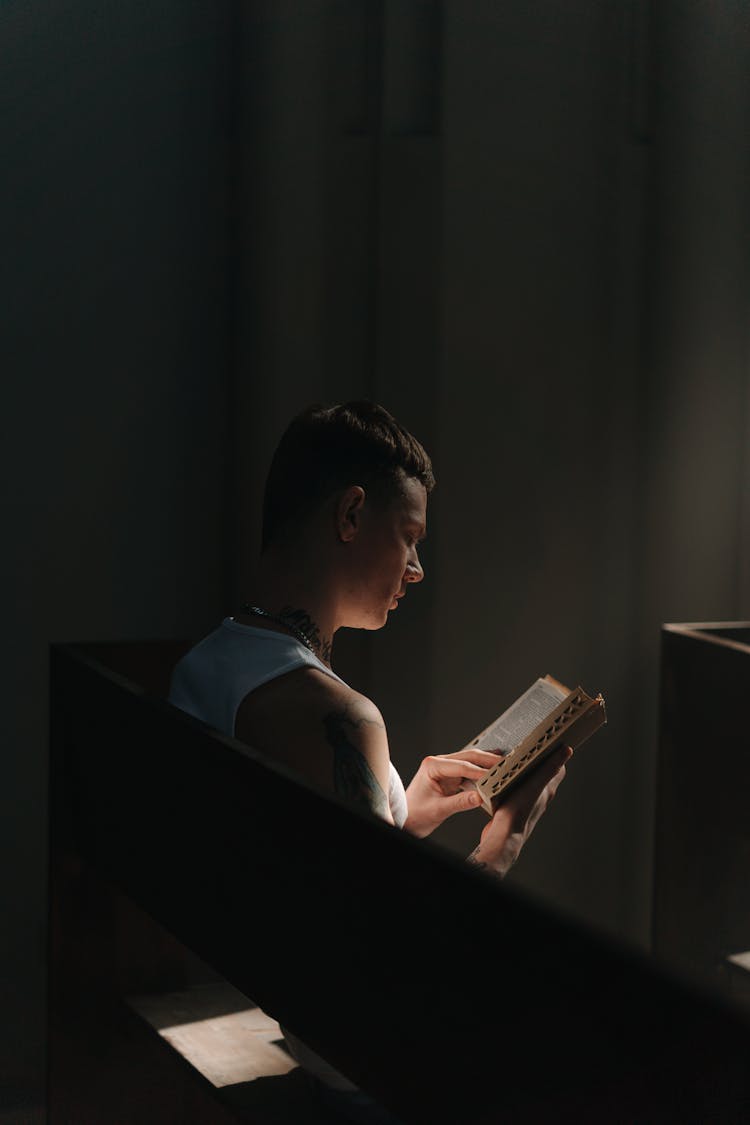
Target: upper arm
355 732
326 731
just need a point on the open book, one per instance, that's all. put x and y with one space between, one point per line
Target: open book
545 717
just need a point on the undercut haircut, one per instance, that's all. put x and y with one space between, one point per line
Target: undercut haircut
327 448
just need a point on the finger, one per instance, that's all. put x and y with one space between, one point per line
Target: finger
462 802
546 796
527 793
554 768
456 767
543 774
479 757
554 784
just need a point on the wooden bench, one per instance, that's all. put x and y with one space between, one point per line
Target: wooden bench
447 996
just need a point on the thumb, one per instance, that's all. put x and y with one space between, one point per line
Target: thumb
462 802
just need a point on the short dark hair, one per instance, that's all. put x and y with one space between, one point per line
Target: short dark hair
330 447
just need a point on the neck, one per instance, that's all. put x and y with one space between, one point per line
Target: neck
298 601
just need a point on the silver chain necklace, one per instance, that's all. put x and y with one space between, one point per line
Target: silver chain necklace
300 634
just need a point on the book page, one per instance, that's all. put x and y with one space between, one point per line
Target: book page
527 712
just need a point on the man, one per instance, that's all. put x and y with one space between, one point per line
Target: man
345 509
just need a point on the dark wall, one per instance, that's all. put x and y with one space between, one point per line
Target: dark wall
523 229
543 211
114 361
547 289
693 513
464 240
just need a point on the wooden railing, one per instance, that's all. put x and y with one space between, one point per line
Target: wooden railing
447 996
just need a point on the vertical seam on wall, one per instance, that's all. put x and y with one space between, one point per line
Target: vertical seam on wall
374 80
233 278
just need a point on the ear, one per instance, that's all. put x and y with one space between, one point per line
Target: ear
349 512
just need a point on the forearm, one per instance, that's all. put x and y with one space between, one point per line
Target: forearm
414 824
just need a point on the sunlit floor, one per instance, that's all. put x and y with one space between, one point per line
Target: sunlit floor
236 1047
219 1032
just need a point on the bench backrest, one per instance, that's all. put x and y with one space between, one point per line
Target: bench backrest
442 993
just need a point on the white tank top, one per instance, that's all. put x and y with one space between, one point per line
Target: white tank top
210 682
214 677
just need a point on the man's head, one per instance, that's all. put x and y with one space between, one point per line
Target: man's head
328 449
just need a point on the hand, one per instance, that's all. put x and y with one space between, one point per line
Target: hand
435 792
503 838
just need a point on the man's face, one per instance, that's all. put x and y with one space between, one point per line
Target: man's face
387 558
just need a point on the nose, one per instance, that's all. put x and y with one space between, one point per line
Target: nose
414 572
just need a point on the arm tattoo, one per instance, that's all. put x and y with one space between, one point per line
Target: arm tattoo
302 620
352 777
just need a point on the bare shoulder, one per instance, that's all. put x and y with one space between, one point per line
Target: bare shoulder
352 707
307 696
326 730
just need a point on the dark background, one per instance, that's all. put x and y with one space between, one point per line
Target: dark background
523 228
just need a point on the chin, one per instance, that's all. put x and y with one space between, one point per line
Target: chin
374 623
373 626
370 624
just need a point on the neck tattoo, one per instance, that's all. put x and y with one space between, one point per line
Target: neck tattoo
300 624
